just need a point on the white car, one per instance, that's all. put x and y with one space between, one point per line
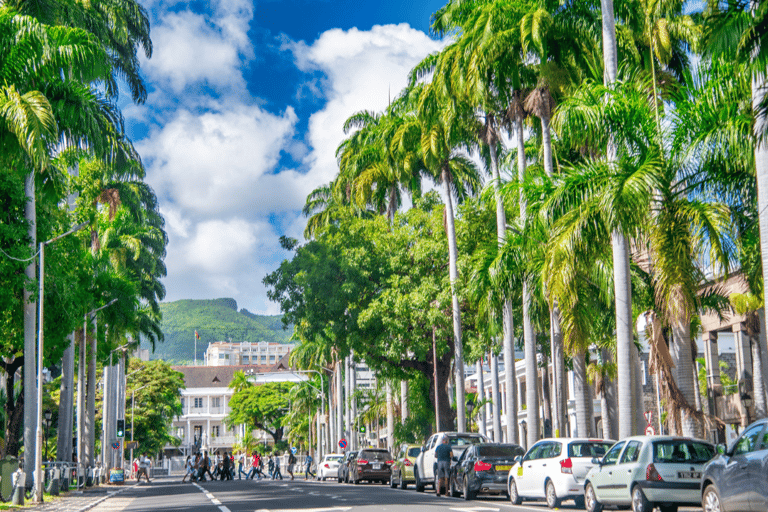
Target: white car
329 466
554 470
426 461
645 472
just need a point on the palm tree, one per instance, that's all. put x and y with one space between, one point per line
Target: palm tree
440 136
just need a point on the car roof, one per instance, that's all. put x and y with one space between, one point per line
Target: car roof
665 438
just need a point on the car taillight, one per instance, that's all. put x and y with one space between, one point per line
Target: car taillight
482 466
390 462
326 465
566 466
652 475
406 462
362 462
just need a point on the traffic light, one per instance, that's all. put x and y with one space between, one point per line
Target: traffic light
120 428
362 429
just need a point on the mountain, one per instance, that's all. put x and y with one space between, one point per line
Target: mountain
214 320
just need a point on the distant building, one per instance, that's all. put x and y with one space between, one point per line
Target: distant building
224 353
205 405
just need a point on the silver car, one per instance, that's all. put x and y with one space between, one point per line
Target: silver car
646 472
737 480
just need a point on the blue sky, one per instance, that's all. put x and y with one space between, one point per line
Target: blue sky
245 111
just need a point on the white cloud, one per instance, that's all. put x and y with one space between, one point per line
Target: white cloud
363 69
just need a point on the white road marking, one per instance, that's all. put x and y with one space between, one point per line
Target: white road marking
211 497
474 509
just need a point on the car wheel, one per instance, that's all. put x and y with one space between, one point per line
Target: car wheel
710 502
590 500
339 479
552 500
419 483
454 492
392 482
639 502
668 508
403 483
468 494
579 501
514 498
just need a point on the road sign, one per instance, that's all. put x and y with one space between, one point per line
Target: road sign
650 431
293 450
648 416
343 444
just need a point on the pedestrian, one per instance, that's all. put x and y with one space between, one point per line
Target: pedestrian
308 469
240 465
144 466
135 468
206 466
225 462
271 467
188 470
277 474
443 453
196 468
291 463
260 465
231 475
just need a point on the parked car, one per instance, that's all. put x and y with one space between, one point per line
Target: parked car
483 469
372 465
402 469
329 466
645 472
554 470
426 462
344 466
737 480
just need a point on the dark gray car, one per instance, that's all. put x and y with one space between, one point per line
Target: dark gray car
737 480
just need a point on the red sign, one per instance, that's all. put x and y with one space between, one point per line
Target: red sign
343 444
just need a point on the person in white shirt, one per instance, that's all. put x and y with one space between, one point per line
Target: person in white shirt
144 465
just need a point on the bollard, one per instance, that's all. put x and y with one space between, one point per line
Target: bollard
18 487
53 488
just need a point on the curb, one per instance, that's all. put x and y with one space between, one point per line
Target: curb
105 498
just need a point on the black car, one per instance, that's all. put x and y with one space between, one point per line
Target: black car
344 466
372 465
737 480
483 469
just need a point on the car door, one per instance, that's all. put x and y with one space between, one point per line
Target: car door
545 464
623 471
428 460
525 471
759 465
463 467
602 479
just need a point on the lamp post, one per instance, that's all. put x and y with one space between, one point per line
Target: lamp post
47 414
38 496
133 405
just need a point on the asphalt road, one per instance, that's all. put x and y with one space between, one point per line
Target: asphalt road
170 495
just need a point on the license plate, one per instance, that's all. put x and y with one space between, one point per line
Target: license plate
503 468
689 474
376 466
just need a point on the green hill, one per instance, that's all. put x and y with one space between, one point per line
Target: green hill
214 320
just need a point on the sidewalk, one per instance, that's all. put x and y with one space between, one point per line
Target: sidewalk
79 501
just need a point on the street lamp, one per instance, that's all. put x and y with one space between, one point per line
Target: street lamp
133 405
47 414
39 444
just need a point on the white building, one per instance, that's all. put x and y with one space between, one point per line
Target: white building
223 353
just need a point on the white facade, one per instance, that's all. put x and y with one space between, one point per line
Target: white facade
201 423
223 353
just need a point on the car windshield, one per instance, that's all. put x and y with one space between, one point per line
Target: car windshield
499 451
588 449
465 440
375 455
414 452
683 451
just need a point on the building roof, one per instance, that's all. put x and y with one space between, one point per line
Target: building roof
221 376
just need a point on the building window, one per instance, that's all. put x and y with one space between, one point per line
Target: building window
182 404
215 431
216 401
263 359
245 359
199 403
180 432
272 359
221 356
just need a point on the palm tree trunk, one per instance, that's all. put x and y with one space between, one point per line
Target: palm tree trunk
403 400
761 340
481 418
90 401
66 406
607 403
390 417
510 407
497 435
558 365
580 391
761 168
546 401
30 326
454 275
681 356
546 144
757 379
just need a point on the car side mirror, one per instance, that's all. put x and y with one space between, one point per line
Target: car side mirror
519 459
597 461
423 449
721 449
